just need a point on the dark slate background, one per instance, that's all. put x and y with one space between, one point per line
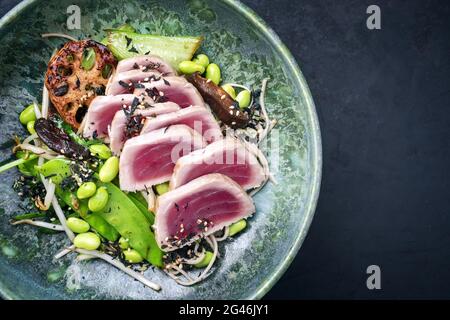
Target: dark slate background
383 99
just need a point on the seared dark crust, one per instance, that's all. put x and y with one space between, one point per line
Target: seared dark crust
71 88
221 103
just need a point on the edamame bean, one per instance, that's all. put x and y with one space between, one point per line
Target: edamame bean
237 227
86 190
243 98
162 188
230 90
99 200
77 225
202 59
213 73
123 243
30 127
189 67
27 115
87 240
205 261
132 256
100 150
109 170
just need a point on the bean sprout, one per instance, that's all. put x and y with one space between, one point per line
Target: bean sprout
41 224
119 265
58 35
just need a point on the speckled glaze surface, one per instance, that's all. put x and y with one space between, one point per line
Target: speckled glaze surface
247 51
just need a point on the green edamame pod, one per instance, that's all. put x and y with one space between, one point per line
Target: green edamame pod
205 261
78 225
56 169
244 98
100 150
213 73
237 227
87 240
27 115
202 59
86 190
99 200
132 256
109 170
189 67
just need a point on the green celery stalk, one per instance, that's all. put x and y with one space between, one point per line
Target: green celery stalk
125 44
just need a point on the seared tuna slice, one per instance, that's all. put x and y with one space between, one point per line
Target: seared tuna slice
146 63
228 156
198 118
149 159
126 82
199 208
102 110
121 126
174 89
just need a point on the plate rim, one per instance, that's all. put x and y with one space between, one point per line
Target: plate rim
315 137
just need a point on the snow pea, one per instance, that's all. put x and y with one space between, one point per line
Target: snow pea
131 223
56 169
140 202
102 227
30 160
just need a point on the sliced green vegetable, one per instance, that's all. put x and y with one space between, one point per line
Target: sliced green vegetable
29 216
73 135
56 169
162 188
126 27
88 59
205 261
237 227
125 216
106 71
172 49
27 168
17 162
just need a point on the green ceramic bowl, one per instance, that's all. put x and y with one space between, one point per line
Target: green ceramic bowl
247 51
